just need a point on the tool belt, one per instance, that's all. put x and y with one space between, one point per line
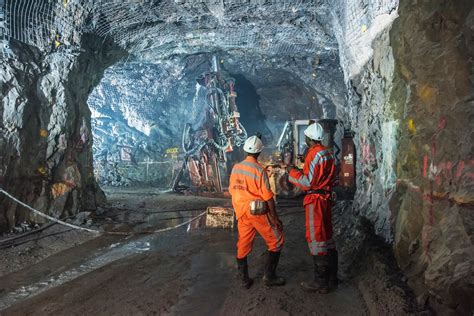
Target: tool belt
258 207
319 191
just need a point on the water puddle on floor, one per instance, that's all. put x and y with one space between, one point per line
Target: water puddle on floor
104 256
209 272
207 292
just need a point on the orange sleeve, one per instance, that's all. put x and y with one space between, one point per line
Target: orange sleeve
297 178
265 189
231 184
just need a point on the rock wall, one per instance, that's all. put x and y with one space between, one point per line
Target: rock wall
411 108
135 128
45 131
433 218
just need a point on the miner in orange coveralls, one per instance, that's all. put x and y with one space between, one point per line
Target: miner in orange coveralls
316 179
255 210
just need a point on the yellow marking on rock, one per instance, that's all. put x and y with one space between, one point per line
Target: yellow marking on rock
42 170
43 133
173 150
59 189
57 43
426 93
411 126
364 28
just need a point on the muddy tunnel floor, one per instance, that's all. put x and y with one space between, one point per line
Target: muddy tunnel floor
191 269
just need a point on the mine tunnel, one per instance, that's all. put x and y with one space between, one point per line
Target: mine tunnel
128 137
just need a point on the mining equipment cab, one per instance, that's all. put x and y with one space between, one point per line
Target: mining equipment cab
291 150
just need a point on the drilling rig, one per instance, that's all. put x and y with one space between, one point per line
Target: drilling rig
208 142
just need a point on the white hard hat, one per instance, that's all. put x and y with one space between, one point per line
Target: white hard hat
314 131
253 145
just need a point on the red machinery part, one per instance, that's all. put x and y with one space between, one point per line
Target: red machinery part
347 175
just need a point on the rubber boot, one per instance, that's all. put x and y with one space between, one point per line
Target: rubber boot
244 273
333 265
270 277
321 276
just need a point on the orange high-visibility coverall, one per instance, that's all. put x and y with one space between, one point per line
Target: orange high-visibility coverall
318 174
248 182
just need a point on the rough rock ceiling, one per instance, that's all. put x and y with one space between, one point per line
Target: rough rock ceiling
260 39
295 35
271 28
155 29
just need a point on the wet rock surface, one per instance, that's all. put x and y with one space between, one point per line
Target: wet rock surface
46 139
410 106
434 220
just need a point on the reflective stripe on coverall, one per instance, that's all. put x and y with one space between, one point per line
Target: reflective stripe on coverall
318 174
248 182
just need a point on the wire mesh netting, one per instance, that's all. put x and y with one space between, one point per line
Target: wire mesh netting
355 23
171 26
162 28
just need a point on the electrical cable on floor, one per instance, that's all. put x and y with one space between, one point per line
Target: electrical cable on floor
153 211
47 216
31 232
21 242
26 234
94 230
159 230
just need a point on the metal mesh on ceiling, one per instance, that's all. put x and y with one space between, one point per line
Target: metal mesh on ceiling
355 24
167 27
41 22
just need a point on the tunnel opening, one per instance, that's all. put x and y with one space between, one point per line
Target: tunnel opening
248 102
138 132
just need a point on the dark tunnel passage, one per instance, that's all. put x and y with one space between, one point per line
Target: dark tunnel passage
248 102
121 124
